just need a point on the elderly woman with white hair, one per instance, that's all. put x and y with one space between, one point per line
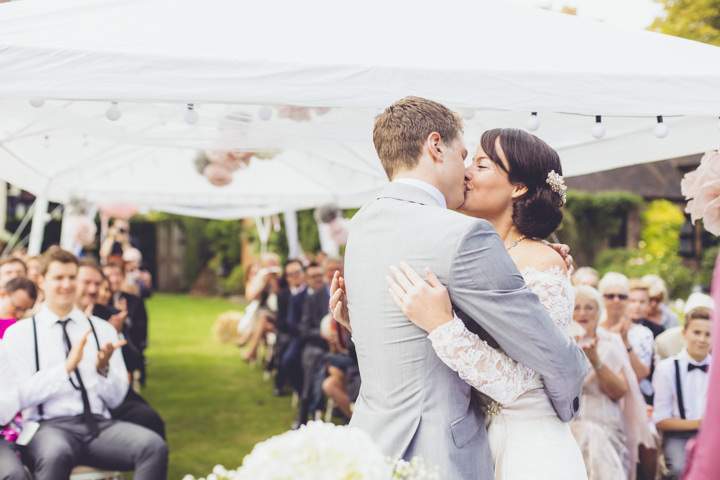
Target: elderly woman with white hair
612 421
638 340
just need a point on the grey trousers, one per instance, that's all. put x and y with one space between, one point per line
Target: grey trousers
673 444
62 443
11 468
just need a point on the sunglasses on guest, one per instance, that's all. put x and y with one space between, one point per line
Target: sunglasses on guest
611 296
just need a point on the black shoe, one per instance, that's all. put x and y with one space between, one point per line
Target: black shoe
279 392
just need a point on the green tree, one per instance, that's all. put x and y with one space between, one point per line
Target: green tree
662 222
697 20
591 219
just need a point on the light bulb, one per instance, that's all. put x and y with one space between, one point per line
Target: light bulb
265 113
598 129
469 114
37 102
533 122
661 130
191 115
113 112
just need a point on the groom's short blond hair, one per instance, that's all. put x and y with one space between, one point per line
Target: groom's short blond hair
402 128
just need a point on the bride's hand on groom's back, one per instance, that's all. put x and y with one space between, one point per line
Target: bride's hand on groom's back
564 251
426 303
338 301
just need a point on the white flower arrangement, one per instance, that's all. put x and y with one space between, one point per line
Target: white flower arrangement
322 451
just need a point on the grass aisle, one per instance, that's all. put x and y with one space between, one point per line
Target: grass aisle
214 405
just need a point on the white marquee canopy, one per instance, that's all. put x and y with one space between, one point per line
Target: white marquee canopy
239 60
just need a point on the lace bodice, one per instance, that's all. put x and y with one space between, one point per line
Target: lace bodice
489 370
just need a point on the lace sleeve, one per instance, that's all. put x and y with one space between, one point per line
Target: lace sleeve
553 288
489 370
481 366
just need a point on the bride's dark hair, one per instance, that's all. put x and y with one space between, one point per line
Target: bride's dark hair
538 212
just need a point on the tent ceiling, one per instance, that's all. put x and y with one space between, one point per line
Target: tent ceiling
232 57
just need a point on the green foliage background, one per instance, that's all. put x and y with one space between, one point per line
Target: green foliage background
697 20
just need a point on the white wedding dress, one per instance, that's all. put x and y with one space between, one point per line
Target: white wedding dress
527 439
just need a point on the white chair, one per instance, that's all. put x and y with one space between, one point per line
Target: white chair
82 472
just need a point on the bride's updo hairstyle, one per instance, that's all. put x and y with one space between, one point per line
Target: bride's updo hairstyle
538 212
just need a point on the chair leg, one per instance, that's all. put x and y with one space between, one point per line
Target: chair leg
329 410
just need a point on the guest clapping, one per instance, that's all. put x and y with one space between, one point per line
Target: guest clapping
612 420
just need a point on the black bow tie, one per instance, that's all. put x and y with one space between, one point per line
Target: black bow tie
692 367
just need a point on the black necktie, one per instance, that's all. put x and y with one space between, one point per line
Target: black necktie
692 367
90 421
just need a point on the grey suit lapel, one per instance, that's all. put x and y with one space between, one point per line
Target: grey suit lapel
408 193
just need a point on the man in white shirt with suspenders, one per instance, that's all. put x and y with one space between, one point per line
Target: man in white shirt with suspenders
68 375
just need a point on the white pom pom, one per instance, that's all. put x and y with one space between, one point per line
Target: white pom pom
113 112
265 113
37 102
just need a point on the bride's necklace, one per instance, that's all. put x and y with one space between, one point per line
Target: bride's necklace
515 242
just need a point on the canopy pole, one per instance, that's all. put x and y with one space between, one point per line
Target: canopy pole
291 231
37 229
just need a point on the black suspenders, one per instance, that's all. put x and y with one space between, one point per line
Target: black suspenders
678 390
37 355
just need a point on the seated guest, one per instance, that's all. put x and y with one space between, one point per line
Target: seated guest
68 375
638 341
288 346
133 408
11 267
16 297
314 345
341 369
681 384
586 276
611 422
11 468
659 311
263 287
671 341
639 305
138 280
32 264
133 304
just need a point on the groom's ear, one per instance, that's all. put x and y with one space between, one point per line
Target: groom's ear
519 190
435 147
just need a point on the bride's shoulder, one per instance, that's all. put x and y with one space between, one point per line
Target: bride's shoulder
538 257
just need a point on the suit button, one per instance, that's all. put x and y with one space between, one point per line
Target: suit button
576 404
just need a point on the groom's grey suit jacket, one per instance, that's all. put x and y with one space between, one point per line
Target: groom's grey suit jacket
410 402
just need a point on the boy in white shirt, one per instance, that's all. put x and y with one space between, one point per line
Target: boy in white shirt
680 383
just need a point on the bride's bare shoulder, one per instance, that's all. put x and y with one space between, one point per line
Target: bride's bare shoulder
538 256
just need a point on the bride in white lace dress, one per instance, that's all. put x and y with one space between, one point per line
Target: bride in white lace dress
513 182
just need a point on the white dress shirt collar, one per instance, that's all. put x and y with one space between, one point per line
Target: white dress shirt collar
436 194
47 316
686 358
295 290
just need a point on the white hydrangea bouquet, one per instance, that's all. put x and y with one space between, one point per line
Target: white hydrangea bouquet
322 451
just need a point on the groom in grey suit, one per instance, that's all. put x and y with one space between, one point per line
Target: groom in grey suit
410 402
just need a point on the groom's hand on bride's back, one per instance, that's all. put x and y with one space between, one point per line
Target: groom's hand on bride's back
338 301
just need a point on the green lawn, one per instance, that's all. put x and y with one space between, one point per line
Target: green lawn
214 405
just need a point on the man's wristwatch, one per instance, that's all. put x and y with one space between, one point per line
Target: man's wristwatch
104 372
